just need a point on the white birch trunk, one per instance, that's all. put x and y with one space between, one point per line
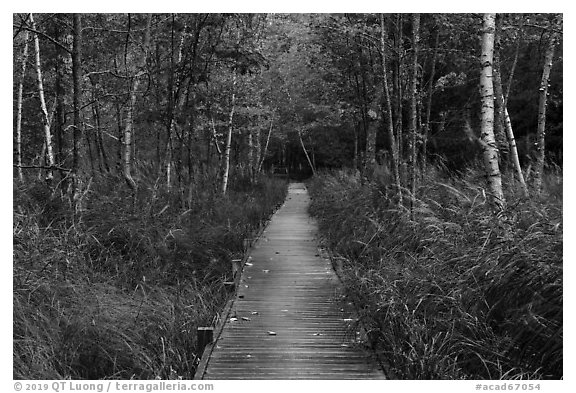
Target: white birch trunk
489 148
129 125
514 151
226 162
44 117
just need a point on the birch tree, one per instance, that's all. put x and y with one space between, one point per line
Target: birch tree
129 122
44 115
542 102
228 145
488 141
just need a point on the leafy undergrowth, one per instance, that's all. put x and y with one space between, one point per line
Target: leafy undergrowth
453 293
118 290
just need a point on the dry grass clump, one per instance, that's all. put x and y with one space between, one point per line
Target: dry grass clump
118 290
454 293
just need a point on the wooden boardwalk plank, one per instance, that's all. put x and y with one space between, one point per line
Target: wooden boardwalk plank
290 319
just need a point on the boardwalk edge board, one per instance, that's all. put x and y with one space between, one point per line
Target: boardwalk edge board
337 267
221 322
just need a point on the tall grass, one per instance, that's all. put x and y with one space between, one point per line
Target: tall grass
455 292
118 290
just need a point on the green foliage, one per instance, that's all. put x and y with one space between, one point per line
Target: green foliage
455 293
118 290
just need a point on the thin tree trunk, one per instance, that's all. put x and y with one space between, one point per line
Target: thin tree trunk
102 150
77 86
263 157
258 147
128 128
251 155
215 140
388 109
514 152
413 110
507 124
306 154
513 68
61 153
398 85
490 150
226 162
429 103
370 159
541 132
19 115
44 117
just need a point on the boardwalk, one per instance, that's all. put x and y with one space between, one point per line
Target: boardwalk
289 320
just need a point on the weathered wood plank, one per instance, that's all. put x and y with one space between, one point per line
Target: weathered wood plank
290 319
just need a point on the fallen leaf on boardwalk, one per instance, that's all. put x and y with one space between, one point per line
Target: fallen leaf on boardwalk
272 333
245 286
245 319
233 319
254 312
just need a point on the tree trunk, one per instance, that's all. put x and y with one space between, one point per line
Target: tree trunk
541 132
388 109
490 151
429 103
398 87
263 157
507 124
413 110
370 159
61 155
499 133
513 68
77 86
306 154
99 139
514 152
258 149
128 128
226 161
45 119
19 104
251 154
